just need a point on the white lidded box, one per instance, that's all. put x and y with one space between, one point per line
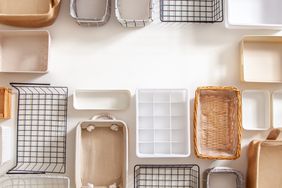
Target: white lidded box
162 123
24 51
256 109
259 14
261 59
84 99
101 158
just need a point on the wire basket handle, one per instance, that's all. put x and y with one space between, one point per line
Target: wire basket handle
103 117
274 134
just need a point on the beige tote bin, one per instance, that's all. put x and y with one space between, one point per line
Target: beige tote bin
261 59
101 153
29 13
264 162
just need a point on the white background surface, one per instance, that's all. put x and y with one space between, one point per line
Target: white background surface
162 55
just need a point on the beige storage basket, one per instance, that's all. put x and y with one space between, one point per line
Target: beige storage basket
29 13
264 162
5 103
217 123
101 153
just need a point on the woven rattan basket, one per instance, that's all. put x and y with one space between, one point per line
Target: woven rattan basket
217 123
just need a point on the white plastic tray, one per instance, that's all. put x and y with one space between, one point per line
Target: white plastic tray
261 59
24 51
261 14
162 126
101 99
277 109
256 109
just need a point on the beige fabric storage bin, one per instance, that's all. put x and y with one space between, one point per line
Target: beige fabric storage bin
29 13
101 153
264 162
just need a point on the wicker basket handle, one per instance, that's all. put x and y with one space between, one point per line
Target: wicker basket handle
274 134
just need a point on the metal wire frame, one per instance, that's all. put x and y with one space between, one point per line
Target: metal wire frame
240 182
200 11
90 21
41 129
33 181
167 176
133 22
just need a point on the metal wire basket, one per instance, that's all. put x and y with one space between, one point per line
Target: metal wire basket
41 129
141 22
205 11
167 176
217 123
33 181
240 182
90 20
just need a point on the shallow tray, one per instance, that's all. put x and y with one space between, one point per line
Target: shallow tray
24 51
29 13
90 12
217 123
162 126
134 13
261 59
101 153
101 99
256 109
263 14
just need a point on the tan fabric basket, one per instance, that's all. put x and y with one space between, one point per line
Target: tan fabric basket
264 162
217 123
29 13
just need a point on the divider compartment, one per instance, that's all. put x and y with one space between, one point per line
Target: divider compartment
162 123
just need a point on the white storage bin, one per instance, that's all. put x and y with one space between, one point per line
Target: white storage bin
6 149
162 124
277 109
101 158
24 51
256 109
261 14
101 99
261 59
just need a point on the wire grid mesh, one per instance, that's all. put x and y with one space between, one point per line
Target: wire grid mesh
95 21
41 129
27 181
167 176
206 11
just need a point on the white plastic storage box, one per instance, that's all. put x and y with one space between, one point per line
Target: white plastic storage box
261 14
261 59
101 99
256 109
277 109
162 124
24 51
33 181
101 153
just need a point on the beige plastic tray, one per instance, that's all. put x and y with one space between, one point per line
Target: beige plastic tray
101 153
24 51
261 59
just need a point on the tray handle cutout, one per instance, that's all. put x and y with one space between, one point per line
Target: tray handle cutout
103 117
274 134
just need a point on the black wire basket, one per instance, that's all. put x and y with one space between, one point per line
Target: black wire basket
41 129
201 11
167 176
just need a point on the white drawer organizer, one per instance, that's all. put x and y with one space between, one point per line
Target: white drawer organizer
162 126
101 158
260 14
24 51
84 99
256 109
261 59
